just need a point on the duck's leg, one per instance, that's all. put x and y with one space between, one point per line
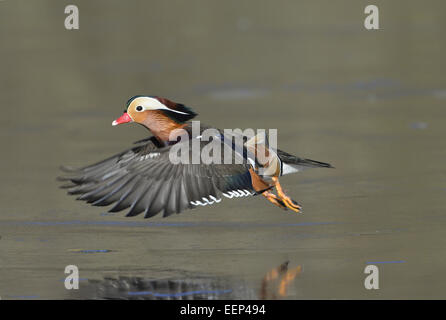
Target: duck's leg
274 199
287 201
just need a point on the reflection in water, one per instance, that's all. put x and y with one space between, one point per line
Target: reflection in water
276 282
274 285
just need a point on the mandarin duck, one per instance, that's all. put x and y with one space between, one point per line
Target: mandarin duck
147 179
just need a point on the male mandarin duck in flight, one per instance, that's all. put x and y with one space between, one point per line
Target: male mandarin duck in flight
146 179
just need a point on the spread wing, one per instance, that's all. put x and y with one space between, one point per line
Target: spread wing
144 179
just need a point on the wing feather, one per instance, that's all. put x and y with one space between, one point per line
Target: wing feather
144 180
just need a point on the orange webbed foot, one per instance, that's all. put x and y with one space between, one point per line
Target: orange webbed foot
287 201
274 199
291 204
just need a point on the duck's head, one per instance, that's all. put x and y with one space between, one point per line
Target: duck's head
146 110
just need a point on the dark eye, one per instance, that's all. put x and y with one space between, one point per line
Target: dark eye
138 108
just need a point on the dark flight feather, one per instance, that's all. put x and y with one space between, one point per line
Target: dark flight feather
152 184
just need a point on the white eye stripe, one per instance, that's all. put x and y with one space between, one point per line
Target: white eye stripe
166 108
148 103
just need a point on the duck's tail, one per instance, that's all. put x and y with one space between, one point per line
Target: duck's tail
313 163
301 163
